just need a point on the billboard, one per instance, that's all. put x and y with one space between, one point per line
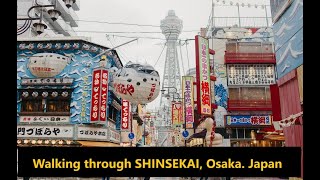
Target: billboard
248 120
203 76
99 96
187 91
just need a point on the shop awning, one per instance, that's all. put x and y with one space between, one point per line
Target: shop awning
98 144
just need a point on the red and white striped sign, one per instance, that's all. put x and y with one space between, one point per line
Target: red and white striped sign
125 115
99 95
104 95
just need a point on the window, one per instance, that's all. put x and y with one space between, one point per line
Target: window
250 94
240 133
45 101
254 74
55 105
32 105
112 113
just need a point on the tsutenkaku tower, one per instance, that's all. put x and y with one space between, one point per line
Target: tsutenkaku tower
171 27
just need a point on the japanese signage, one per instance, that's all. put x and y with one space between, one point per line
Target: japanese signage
84 94
38 131
125 115
176 113
244 74
47 81
44 119
187 91
92 133
114 136
153 88
203 76
99 95
104 95
124 89
248 120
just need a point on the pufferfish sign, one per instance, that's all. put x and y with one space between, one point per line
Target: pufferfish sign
139 84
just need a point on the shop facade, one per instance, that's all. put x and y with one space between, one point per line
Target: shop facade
64 97
250 71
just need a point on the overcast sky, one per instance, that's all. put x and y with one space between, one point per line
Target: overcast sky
194 14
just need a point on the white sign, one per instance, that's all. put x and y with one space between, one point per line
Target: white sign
114 136
92 133
38 131
44 119
47 81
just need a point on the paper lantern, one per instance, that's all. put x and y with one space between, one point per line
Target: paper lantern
139 84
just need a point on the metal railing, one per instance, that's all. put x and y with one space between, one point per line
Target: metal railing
262 57
249 103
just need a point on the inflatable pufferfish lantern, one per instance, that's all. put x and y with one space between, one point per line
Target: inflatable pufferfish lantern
139 84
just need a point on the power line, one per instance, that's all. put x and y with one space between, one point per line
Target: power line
181 58
117 49
187 54
162 49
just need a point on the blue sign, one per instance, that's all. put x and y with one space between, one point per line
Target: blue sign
248 120
185 133
131 135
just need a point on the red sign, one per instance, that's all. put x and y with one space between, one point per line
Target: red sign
125 114
99 95
104 95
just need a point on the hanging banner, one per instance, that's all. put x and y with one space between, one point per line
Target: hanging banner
177 113
99 95
203 76
125 115
187 91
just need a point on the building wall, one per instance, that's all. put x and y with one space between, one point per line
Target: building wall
218 44
288 31
288 35
78 65
289 94
80 69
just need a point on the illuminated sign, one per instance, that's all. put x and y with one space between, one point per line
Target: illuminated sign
248 120
203 76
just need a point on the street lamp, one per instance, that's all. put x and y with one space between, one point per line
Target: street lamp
53 13
168 95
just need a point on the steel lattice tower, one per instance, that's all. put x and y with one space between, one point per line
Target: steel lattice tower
171 27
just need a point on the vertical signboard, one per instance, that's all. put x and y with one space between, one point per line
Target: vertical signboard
95 95
176 113
125 115
203 76
99 95
187 91
104 95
